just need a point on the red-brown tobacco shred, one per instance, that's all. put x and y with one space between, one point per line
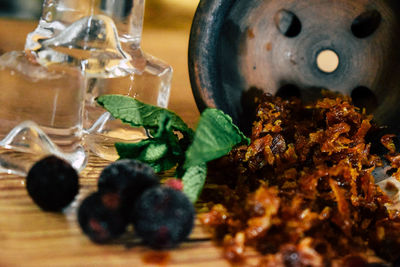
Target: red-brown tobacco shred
302 193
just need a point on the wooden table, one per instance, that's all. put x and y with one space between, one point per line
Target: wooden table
31 237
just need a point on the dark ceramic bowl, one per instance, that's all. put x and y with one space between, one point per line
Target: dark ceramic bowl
240 49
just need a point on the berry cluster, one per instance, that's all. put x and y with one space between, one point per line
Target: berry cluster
130 192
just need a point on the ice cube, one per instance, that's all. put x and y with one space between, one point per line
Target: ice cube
27 143
52 97
91 43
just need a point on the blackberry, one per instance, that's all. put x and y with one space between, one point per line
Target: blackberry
163 217
52 183
99 217
128 178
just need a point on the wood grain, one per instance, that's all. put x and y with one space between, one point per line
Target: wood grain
31 237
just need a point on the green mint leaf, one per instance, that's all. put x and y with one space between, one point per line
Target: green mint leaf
139 114
146 150
166 134
153 152
163 164
215 136
162 151
193 181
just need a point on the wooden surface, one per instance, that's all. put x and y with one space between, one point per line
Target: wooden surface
31 237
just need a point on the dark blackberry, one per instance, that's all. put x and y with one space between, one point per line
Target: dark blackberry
100 218
163 217
52 183
128 178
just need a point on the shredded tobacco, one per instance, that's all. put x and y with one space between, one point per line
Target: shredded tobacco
302 193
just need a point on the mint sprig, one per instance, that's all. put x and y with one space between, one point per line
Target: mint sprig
162 152
139 114
193 181
215 136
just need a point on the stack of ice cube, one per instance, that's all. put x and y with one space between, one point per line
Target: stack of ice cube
80 49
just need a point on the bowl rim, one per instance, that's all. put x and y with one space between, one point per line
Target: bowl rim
204 35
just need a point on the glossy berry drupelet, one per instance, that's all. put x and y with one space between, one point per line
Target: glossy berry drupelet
163 217
52 183
99 217
129 178
174 184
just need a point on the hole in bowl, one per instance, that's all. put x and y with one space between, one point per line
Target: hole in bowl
366 24
363 97
327 61
288 23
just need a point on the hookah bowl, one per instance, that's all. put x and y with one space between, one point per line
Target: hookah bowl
296 48
241 49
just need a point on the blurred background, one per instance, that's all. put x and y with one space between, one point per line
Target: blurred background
161 13
166 33
23 9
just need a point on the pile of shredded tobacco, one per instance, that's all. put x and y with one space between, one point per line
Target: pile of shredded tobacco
302 193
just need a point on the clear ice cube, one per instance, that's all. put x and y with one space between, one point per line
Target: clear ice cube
150 85
149 81
90 43
52 97
27 143
51 94
103 39
56 16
